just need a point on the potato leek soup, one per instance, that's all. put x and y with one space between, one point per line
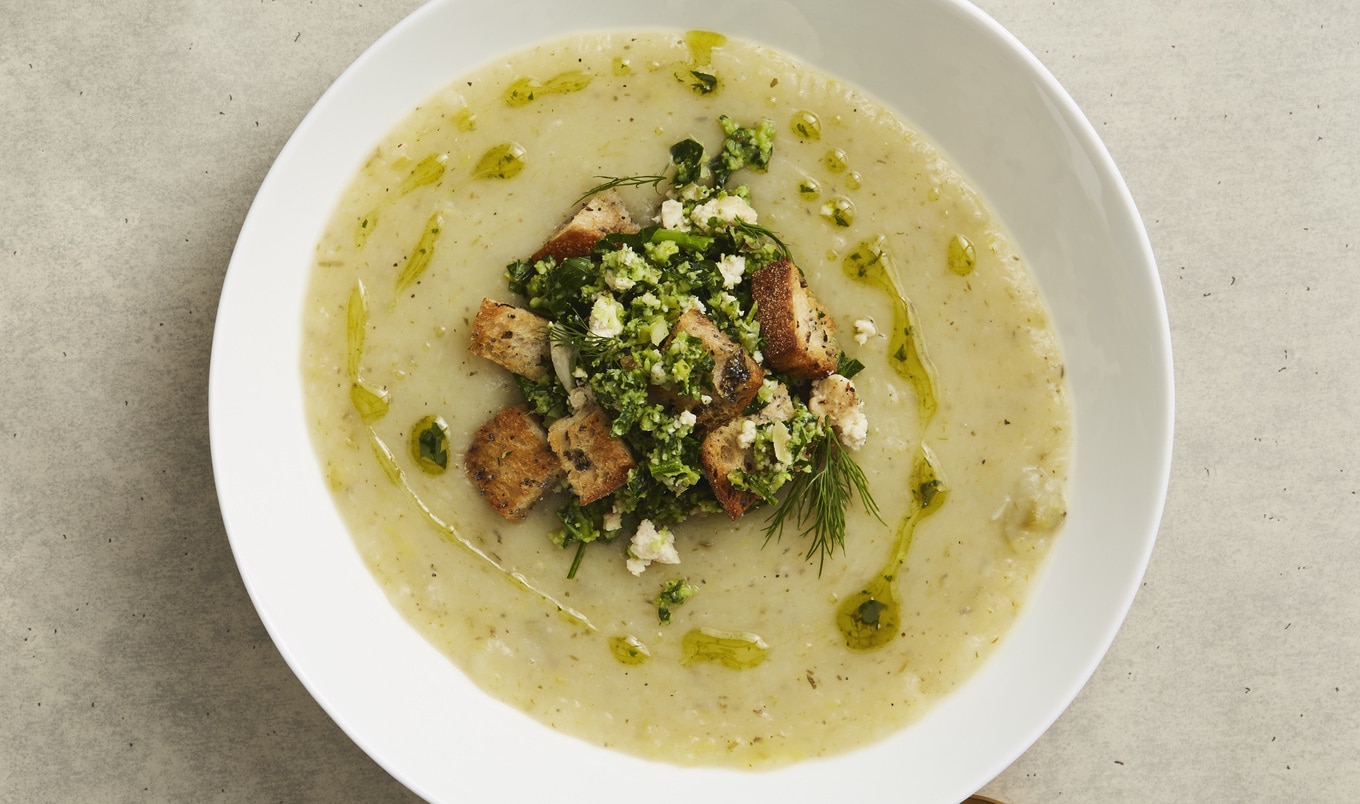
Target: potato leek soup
877 549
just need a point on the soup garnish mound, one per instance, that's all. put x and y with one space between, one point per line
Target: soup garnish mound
798 318
676 369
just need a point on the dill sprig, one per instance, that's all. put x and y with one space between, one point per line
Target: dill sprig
816 500
575 334
610 182
756 230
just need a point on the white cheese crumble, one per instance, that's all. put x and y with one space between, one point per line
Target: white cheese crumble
613 520
687 418
673 216
732 267
651 545
864 330
605 318
747 436
834 398
728 209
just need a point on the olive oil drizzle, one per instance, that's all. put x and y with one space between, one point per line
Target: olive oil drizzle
871 264
356 326
871 617
629 650
502 161
735 650
697 73
528 89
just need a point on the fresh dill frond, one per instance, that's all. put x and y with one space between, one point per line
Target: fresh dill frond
756 230
610 182
816 500
590 347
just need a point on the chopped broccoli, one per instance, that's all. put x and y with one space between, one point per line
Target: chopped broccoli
744 147
673 593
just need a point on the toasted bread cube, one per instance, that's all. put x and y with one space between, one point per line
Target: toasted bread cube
511 464
736 375
512 337
800 337
595 461
721 454
603 214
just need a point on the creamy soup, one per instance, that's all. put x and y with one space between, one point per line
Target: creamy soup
771 661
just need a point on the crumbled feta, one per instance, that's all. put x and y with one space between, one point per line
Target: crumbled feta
834 398
687 418
651 545
613 520
732 267
658 373
673 216
605 317
864 330
747 437
728 209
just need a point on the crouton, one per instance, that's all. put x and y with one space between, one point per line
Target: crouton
511 337
596 463
736 376
800 336
511 464
721 454
603 214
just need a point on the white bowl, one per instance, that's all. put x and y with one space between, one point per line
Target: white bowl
1004 121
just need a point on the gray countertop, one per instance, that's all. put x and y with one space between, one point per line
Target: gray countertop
133 137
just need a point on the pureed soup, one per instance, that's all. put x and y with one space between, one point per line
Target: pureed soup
775 657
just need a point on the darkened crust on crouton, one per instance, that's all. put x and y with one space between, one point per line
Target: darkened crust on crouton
596 463
720 454
736 375
512 337
603 214
511 464
800 337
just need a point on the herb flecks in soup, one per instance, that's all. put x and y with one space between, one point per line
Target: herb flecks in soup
759 659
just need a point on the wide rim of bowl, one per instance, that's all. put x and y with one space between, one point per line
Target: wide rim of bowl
261 463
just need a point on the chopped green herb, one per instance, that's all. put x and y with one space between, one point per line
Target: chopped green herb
673 593
704 83
847 366
610 182
430 445
816 501
688 157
